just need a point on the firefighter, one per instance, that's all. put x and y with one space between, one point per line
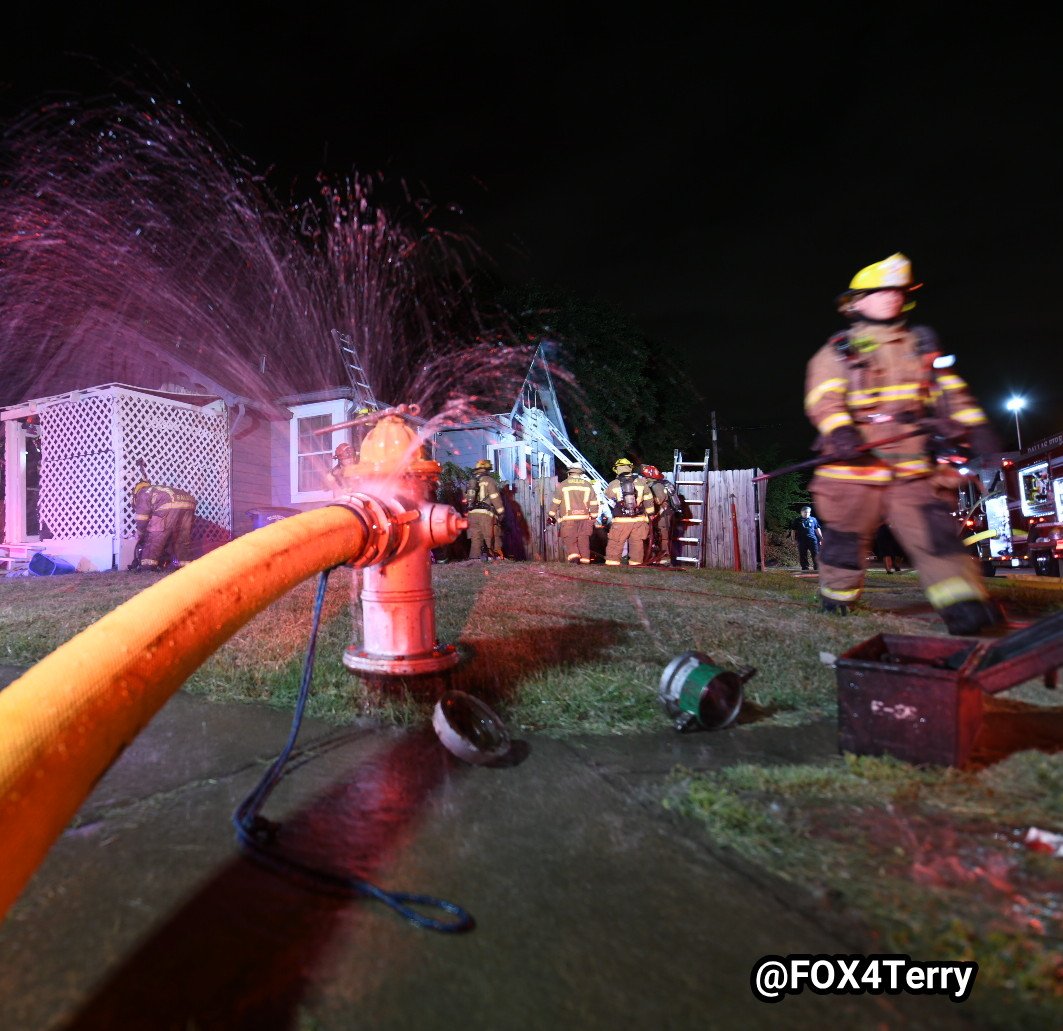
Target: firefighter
164 517
667 504
630 498
340 478
871 382
575 504
485 510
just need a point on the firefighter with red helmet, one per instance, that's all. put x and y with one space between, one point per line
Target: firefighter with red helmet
631 500
666 500
164 518
575 508
485 510
341 476
882 379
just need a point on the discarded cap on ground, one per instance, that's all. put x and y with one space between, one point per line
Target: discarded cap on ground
694 690
469 729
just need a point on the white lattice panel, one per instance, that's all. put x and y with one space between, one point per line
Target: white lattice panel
77 468
85 439
181 446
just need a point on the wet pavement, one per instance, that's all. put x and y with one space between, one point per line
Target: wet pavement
595 907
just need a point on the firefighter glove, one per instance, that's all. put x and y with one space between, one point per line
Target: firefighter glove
552 519
842 442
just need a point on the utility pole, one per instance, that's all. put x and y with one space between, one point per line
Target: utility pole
715 455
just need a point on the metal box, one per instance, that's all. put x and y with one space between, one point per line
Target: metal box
920 698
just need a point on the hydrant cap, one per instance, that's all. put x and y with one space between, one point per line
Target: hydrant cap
469 729
392 447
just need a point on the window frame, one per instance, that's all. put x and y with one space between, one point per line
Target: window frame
339 411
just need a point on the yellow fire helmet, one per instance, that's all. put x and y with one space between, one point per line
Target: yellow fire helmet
622 464
483 464
139 486
892 273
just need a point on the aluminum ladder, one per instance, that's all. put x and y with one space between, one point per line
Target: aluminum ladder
691 481
352 362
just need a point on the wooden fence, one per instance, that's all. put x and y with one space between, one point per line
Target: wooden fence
733 520
734 536
525 527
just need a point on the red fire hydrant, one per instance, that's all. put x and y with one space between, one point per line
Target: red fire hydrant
395 483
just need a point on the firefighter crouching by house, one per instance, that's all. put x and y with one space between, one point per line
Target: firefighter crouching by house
485 510
630 498
164 517
340 478
875 381
575 506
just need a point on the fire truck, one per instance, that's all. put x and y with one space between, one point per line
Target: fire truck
1017 517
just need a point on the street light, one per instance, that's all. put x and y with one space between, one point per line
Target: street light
1016 405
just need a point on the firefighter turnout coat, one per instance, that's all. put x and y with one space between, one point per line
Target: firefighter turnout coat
485 508
164 517
575 507
880 379
632 503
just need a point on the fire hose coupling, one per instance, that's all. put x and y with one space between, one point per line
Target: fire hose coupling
387 530
393 526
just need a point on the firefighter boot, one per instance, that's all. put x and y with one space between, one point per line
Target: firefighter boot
832 607
971 618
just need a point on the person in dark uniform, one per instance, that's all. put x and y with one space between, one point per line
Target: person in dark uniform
809 536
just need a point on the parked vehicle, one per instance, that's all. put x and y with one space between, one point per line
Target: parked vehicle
1007 511
1044 548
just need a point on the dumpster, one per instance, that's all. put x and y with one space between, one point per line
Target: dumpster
264 516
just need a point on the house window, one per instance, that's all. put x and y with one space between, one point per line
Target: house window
311 453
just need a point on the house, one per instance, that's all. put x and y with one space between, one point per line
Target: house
125 409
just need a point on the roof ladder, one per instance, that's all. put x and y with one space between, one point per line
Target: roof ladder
352 362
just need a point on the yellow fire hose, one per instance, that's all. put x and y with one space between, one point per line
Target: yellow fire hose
65 721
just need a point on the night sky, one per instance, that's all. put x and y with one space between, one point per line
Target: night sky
718 176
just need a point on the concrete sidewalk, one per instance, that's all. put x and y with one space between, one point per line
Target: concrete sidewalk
594 907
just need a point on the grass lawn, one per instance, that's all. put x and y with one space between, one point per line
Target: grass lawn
930 860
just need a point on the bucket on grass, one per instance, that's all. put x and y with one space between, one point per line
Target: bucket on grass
697 692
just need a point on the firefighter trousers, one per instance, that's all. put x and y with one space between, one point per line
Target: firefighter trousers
167 536
921 521
575 537
481 533
632 531
660 551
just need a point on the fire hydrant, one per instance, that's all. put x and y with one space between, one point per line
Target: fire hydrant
393 483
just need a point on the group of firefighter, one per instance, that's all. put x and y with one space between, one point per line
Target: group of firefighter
895 424
643 509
